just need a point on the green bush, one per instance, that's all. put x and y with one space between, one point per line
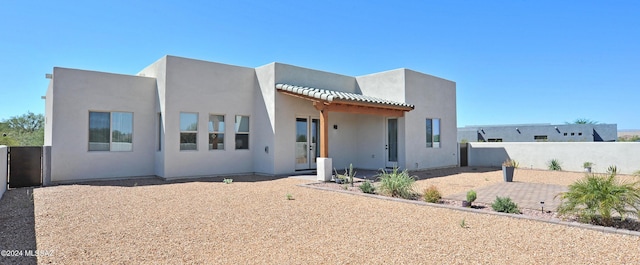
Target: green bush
597 196
505 205
554 164
367 187
227 181
612 169
432 195
471 196
396 183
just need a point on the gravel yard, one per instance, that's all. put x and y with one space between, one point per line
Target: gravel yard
250 221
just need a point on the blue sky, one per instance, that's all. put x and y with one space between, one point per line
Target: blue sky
514 62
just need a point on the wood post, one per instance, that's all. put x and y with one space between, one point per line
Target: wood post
324 133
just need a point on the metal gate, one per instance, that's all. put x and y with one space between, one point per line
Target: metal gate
464 157
25 166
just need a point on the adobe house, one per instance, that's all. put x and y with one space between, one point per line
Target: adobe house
182 117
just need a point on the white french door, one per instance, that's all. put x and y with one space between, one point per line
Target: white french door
307 140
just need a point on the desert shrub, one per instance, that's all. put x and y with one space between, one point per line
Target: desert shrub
432 194
612 169
227 181
505 205
367 187
554 164
597 196
510 163
397 183
471 196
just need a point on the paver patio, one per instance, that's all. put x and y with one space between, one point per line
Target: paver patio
526 195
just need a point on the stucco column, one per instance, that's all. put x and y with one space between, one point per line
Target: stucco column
325 168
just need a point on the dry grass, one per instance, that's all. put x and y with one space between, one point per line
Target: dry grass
254 223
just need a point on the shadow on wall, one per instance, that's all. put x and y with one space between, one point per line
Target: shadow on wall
596 136
18 225
487 156
150 181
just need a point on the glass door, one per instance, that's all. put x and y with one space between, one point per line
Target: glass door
307 143
391 143
302 144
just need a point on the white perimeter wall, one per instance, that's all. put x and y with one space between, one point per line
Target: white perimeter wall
3 170
76 93
570 154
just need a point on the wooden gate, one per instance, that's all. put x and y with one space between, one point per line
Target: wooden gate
25 166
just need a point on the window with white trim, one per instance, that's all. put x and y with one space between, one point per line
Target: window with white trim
216 132
242 132
110 131
188 131
433 133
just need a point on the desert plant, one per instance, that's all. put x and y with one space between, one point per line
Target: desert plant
505 205
351 174
227 181
432 194
463 224
347 177
510 163
612 169
597 196
587 164
637 173
554 164
396 183
290 197
471 196
367 187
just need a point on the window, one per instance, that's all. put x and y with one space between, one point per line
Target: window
242 132
188 131
540 138
572 134
110 131
565 134
433 133
580 134
216 132
494 140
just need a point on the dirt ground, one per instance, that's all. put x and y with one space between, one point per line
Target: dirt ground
204 221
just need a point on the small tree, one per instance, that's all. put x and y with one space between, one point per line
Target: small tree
582 121
597 196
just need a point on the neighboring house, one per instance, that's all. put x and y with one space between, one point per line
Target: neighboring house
181 117
539 133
